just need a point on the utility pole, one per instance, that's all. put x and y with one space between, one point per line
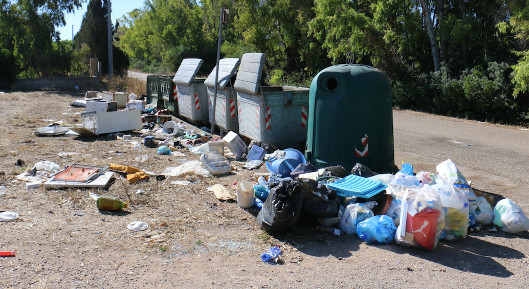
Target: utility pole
223 21
109 24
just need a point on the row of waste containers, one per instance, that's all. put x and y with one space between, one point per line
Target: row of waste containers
274 115
344 118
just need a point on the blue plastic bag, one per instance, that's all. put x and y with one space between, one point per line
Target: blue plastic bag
272 256
377 230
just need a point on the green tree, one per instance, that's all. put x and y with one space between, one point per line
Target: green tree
27 31
94 33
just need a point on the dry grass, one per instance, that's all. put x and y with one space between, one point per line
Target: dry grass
123 83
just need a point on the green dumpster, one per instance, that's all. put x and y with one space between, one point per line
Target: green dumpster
167 95
351 119
153 87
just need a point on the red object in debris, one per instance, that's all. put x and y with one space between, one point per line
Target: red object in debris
7 253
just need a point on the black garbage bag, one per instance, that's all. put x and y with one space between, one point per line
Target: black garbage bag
335 171
302 169
318 200
363 171
282 209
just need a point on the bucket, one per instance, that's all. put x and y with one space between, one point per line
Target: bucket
245 195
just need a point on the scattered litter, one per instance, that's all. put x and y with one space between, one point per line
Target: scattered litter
215 163
235 144
140 192
137 226
40 172
181 183
111 204
188 168
67 154
252 165
7 253
8 216
222 193
133 174
164 150
245 194
256 153
80 176
51 131
3 190
273 256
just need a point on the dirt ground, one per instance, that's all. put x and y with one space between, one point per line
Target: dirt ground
62 240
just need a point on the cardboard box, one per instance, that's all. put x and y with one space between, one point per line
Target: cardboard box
235 144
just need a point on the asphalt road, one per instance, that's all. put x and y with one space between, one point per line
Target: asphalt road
494 157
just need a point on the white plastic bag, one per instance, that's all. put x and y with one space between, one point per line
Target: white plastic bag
448 172
421 219
354 214
455 206
510 217
484 212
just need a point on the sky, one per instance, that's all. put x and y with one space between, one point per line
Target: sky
119 8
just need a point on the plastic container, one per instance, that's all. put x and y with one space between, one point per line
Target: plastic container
111 204
245 194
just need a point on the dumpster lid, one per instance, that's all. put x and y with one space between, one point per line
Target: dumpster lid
187 71
250 72
227 68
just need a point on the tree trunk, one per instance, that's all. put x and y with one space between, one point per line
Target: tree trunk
431 34
465 42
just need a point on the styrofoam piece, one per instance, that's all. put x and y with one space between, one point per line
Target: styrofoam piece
250 72
109 122
107 95
187 71
227 68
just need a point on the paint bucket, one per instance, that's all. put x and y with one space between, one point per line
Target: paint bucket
245 195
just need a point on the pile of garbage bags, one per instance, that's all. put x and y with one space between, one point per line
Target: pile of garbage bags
411 209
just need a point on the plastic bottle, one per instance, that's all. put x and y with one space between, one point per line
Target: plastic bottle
111 204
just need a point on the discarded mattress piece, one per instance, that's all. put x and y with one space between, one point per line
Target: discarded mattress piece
356 186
